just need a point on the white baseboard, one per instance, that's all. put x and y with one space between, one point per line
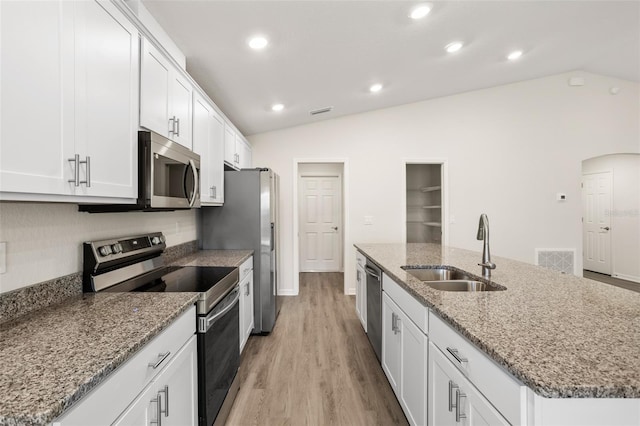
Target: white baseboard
351 291
287 292
627 277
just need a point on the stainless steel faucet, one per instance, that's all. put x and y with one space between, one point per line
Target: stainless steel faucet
483 234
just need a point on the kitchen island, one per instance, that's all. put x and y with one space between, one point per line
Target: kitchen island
562 336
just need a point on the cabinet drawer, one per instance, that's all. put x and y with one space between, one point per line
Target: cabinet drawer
497 385
360 259
246 268
415 310
112 396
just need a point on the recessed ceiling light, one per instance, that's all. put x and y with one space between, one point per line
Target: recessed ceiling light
258 43
514 55
277 107
420 11
453 46
375 88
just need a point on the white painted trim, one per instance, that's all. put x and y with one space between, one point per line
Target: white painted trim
444 178
345 217
351 291
287 292
626 277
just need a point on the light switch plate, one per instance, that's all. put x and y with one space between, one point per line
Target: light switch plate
3 257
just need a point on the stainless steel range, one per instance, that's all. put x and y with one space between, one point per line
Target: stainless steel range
135 264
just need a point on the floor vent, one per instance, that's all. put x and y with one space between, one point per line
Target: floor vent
562 260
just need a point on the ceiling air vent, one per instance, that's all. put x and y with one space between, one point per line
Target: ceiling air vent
320 110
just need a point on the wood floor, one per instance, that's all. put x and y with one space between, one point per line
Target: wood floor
317 366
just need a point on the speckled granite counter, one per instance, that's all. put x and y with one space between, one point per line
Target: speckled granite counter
215 258
561 335
53 357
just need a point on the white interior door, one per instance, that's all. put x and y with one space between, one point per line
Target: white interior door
320 224
596 222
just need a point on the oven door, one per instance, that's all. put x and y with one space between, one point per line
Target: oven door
218 355
174 178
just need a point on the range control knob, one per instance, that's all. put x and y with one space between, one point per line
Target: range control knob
104 250
155 241
116 248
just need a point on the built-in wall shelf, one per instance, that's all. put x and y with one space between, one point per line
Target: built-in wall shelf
430 188
436 224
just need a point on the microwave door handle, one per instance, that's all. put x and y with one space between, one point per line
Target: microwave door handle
196 184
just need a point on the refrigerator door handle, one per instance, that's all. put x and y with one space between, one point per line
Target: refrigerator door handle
273 243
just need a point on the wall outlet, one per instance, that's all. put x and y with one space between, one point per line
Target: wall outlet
368 220
3 257
561 197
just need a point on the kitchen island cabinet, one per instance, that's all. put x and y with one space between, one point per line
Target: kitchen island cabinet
537 353
72 134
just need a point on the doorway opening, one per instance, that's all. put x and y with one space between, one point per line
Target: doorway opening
425 205
611 217
319 211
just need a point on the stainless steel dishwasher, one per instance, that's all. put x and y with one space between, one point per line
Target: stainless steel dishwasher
374 306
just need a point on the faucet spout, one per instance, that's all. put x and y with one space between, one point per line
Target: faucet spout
483 234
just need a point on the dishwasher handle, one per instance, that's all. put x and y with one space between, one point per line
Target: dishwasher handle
370 271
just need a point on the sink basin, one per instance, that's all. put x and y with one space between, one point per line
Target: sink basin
448 279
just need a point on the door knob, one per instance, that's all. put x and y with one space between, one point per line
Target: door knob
606 228
335 228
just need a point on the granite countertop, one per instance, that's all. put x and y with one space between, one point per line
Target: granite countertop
561 335
54 356
215 258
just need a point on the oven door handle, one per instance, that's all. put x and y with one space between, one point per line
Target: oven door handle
214 318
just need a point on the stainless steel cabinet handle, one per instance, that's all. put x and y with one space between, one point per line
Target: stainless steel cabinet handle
246 291
158 420
454 353
358 276
172 125
166 400
177 120
87 163
214 192
161 357
76 171
459 413
452 386
393 322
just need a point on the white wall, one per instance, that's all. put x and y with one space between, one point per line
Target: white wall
625 212
44 240
510 149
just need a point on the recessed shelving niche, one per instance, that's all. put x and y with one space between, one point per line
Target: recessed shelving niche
424 203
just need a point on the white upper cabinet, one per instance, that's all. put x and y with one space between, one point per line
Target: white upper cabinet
237 152
208 141
165 97
69 100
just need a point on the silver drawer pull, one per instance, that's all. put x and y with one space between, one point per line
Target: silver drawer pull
76 170
158 420
459 413
454 353
162 358
452 386
166 400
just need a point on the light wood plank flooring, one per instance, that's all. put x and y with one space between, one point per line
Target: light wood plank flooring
317 366
608 279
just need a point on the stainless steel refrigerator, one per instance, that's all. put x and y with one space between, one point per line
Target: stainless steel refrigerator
249 220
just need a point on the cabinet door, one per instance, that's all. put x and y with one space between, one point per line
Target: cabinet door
171 399
246 310
391 343
181 93
201 143
361 296
155 82
244 153
413 365
230 154
36 122
216 158
453 399
106 93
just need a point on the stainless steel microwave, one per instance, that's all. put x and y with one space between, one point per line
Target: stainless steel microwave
168 177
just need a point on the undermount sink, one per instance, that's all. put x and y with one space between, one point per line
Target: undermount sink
447 279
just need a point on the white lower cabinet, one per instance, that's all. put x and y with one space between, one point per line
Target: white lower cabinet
404 360
160 378
246 301
361 290
171 398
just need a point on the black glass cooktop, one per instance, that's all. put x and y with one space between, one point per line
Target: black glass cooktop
174 279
